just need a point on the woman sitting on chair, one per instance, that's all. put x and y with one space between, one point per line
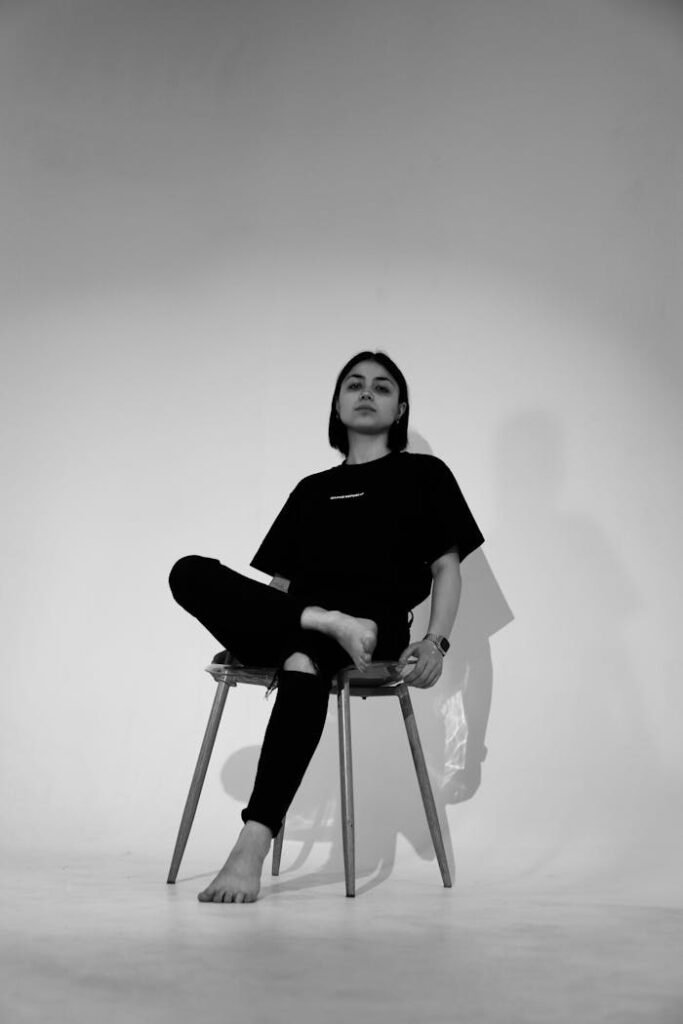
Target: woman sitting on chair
352 551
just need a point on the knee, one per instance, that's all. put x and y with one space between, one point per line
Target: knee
299 662
184 572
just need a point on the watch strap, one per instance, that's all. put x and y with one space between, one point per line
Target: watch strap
440 642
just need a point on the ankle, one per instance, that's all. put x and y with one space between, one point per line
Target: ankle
315 617
256 830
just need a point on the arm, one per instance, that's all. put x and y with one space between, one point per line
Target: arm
446 589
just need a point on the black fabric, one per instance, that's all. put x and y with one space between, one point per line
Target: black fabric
258 624
292 735
261 625
362 538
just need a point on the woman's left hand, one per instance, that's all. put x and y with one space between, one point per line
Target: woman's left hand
428 667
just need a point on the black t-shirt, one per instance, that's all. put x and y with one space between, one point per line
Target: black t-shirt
362 538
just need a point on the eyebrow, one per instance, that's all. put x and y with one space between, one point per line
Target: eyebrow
360 375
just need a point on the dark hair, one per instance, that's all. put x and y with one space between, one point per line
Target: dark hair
398 432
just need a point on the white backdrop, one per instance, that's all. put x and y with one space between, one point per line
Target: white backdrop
206 214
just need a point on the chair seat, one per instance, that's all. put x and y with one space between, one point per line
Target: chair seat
380 679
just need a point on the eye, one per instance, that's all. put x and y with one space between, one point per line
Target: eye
380 387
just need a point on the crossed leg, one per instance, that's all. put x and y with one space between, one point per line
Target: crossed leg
239 880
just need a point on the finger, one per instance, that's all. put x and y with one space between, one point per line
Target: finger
425 679
432 677
419 673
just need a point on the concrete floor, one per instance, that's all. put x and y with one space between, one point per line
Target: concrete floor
106 940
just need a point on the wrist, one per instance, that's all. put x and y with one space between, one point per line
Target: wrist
440 642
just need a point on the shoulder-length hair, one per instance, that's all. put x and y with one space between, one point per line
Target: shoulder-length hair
398 433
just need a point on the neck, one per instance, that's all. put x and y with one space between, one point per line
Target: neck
366 449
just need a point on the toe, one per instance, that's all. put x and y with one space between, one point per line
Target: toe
239 898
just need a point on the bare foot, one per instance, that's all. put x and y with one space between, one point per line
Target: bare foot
239 880
358 637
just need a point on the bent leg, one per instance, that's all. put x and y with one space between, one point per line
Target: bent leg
255 622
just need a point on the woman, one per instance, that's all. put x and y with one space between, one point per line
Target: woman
352 551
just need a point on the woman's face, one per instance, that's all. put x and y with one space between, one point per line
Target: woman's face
369 384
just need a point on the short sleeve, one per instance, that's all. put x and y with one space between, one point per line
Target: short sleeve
446 517
278 554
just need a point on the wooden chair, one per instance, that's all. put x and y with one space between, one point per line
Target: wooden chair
379 680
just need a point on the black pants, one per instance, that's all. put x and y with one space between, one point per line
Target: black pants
261 625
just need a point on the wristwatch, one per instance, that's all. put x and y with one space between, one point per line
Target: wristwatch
440 641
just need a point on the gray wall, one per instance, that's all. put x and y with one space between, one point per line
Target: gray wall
207 209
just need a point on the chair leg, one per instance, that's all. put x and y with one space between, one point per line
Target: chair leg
423 782
198 778
277 848
346 785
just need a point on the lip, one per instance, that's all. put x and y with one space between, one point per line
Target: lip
370 407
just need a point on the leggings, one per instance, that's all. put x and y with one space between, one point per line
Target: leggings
261 626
